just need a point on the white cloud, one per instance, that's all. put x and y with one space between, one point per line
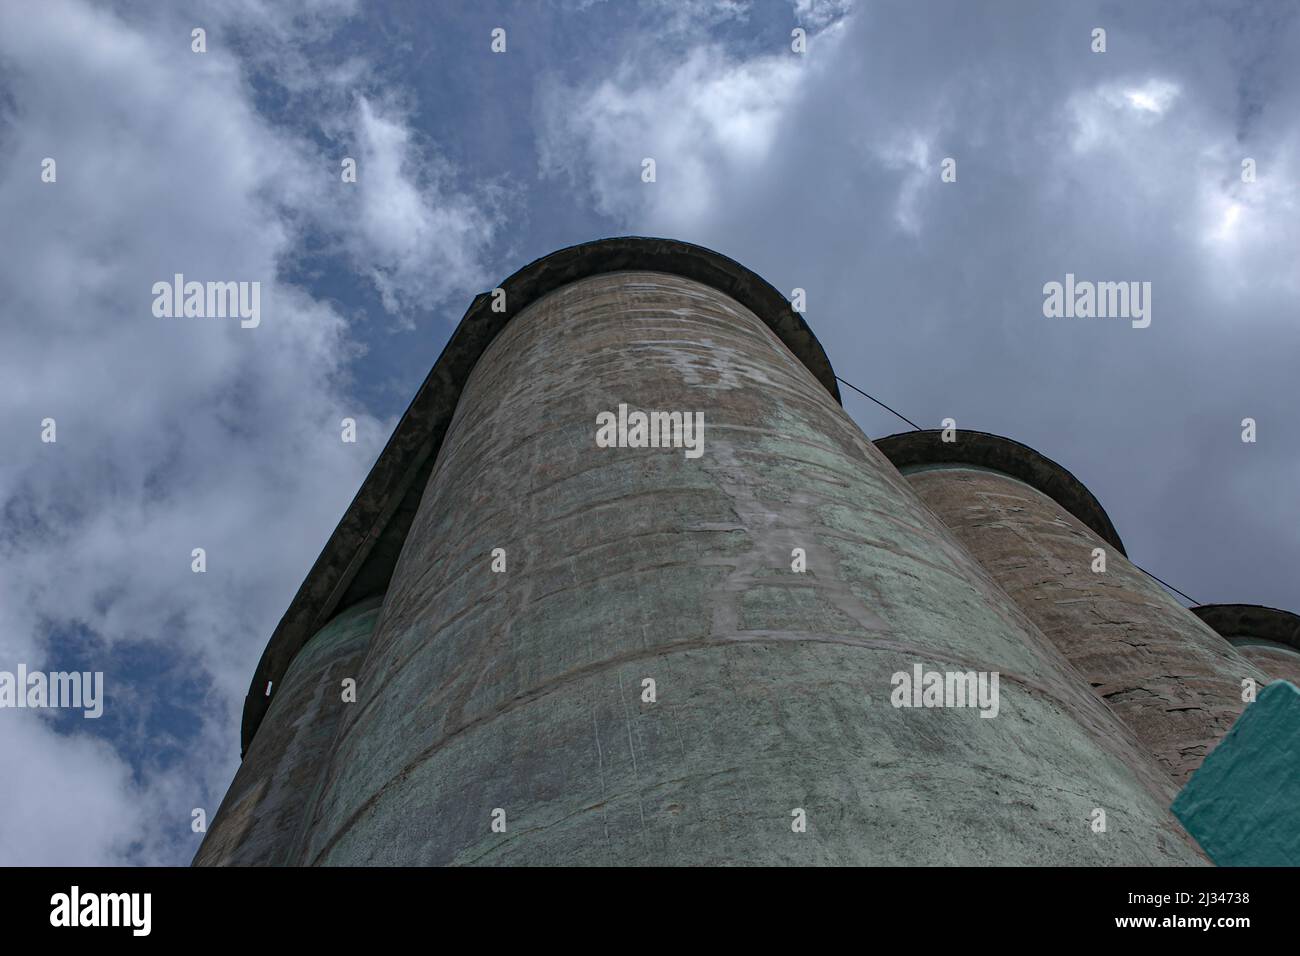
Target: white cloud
1113 114
819 14
705 119
418 241
1155 96
67 800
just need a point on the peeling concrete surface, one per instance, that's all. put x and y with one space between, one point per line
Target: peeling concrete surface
1170 678
523 690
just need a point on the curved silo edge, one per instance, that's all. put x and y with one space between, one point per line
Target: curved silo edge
1243 623
919 449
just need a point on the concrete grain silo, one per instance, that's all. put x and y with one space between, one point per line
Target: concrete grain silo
643 655
1036 529
1268 637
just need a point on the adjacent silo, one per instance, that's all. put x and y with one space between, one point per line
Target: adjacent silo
1264 635
258 820
609 655
1038 531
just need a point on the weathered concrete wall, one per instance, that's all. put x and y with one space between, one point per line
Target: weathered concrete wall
1267 636
1173 681
258 820
523 691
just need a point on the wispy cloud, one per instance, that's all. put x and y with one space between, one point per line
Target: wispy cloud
175 434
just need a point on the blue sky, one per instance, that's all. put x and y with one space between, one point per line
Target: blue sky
819 171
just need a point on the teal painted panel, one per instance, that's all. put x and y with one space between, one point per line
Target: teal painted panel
1243 804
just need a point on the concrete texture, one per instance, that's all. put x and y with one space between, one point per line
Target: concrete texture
1169 677
1243 804
523 690
258 820
1264 635
358 560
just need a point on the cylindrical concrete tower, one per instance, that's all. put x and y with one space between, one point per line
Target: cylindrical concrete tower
1265 635
1037 530
691 650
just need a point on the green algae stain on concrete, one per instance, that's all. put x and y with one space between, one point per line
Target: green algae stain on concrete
1243 804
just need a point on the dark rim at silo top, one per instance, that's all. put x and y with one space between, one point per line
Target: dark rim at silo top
917 449
1248 623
